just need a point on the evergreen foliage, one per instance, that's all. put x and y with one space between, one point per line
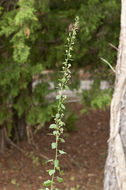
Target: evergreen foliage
32 34
96 98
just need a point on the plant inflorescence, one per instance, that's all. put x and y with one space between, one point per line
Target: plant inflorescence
58 124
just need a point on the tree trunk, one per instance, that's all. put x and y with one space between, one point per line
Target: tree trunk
115 168
19 126
3 139
20 131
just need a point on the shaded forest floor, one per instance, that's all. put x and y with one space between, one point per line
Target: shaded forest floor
82 166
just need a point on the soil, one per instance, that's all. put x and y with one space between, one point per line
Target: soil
82 167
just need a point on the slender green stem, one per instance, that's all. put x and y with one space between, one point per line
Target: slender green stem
58 126
56 156
64 80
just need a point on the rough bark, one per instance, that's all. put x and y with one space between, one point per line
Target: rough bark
115 168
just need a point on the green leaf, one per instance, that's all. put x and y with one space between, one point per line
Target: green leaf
57 115
61 123
47 183
51 160
67 87
59 179
56 164
62 152
62 140
58 97
51 172
64 80
55 132
52 126
62 106
54 145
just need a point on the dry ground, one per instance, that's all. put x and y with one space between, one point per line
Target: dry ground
82 166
